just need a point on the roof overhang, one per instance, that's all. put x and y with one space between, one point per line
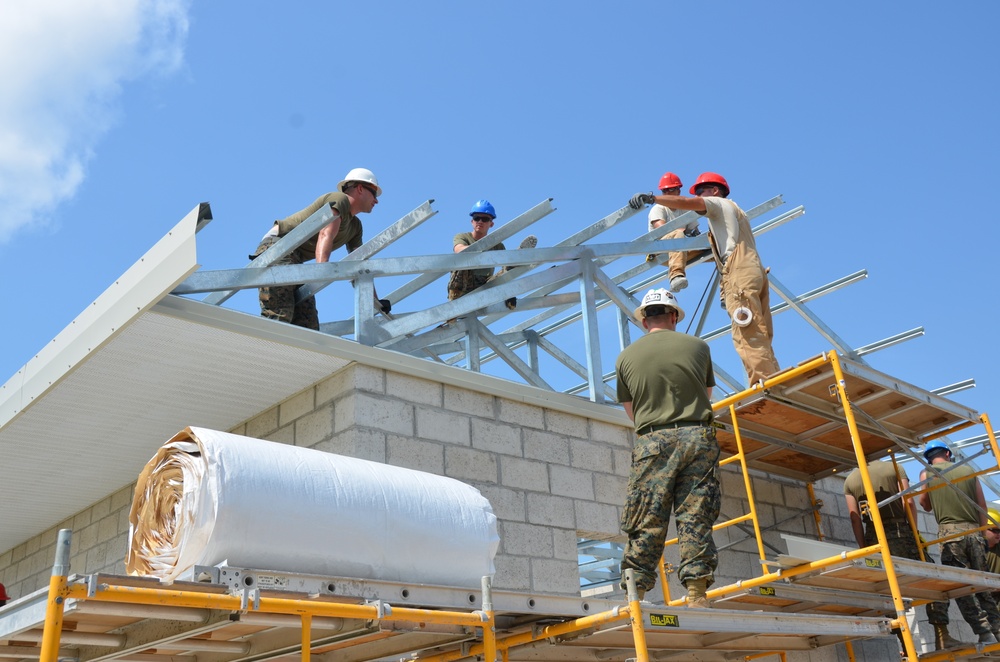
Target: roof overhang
82 418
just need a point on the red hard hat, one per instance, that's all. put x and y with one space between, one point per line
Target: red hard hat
3 593
669 180
710 178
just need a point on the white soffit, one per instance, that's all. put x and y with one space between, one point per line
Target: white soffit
95 431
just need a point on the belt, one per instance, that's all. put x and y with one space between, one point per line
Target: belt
672 426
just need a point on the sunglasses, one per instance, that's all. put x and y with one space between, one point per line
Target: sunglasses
370 189
482 219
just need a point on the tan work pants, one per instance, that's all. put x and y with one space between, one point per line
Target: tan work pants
747 286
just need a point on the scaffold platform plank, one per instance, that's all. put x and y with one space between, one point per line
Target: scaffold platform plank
165 628
796 425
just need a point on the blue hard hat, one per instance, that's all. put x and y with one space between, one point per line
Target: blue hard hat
483 207
934 447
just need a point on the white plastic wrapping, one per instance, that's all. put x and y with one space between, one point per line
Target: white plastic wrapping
209 497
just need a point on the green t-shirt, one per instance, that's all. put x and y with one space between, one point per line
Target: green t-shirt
949 507
886 484
350 233
466 239
666 376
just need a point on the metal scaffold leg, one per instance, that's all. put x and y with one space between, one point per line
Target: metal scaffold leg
57 598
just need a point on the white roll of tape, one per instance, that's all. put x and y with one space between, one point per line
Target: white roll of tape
742 316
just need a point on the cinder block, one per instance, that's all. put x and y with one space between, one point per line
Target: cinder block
107 528
767 490
362 443
413 389
98 510
564 544
590 456
335 386
567 424
441 425
610 489
524 474
546 446
363 409
262 424
616 435
297 405
513 573
555 576
240 429
523 539
468 402
88 537
597 520
797 496
572 483
622 460
520 414
507 504
80 520
551 510
120 499
496 437
415 454
285 435
470 464
315 427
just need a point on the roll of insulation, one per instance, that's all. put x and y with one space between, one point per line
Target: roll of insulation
209 497
742 316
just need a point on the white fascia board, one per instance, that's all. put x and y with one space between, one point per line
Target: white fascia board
153 276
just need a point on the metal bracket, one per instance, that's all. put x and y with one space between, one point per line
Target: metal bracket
382 608
245 596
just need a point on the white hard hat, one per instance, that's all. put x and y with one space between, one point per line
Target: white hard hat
361 175
659 297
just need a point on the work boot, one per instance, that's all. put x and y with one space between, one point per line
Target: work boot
987 638
943 639
678 283
696 597
529 242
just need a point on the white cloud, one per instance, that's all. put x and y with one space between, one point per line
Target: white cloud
63 64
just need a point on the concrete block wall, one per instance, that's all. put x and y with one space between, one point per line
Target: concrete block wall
552 476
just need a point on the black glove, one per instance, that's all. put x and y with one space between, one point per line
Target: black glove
640 200
511 303
651 257
386 305
692 233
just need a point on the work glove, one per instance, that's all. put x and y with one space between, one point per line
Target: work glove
651 257
640 200
692 233
385 305
511 303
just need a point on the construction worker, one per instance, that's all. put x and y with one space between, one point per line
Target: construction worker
462 282
745 291
357 193
3 595
954 511
899 535
670 184
992 537
665 382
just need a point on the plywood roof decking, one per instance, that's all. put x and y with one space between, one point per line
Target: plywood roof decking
797 428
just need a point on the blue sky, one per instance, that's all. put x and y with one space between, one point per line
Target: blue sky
880 118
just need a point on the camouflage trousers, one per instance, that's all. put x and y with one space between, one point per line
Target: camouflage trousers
278 303
978 610
673 470
899 535
463 282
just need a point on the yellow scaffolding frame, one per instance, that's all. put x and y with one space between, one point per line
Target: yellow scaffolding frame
483 621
